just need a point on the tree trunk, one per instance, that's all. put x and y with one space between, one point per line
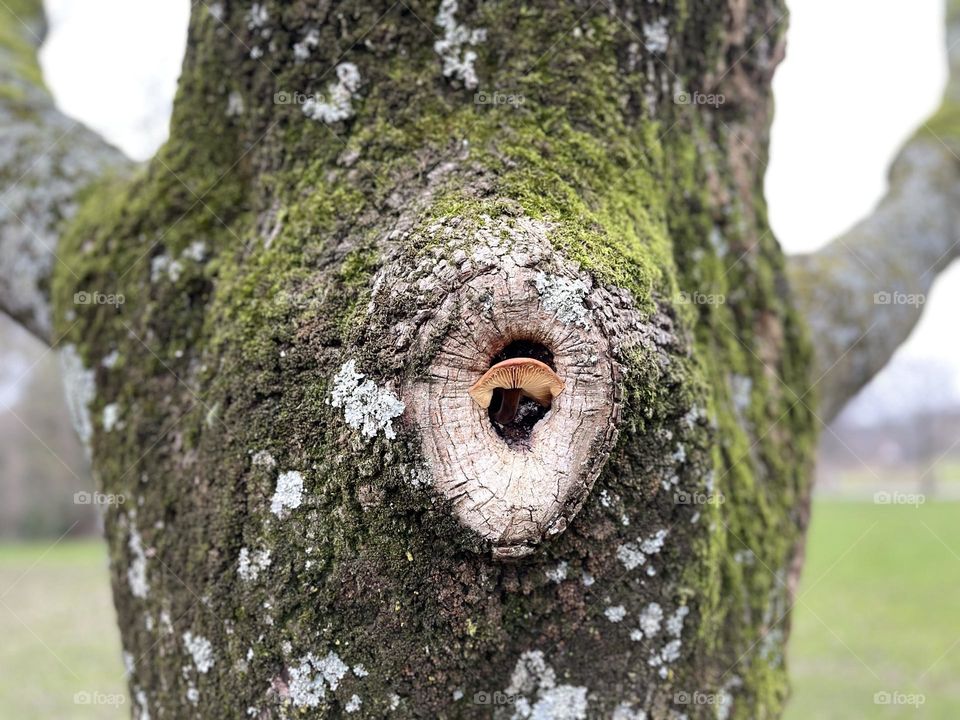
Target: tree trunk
361 208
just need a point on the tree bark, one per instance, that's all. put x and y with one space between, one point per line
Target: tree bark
362 207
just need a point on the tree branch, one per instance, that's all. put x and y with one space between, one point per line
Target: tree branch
863 293
46 160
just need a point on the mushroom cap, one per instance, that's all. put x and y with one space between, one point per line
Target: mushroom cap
532 378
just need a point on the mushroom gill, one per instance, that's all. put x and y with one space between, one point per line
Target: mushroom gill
517 377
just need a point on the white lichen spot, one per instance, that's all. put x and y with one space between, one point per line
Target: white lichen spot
337 104
110 359
679 455
258 17
264 459
630 556
615 613
128 664
675 621
563 297
302 49
366 407
142 707
111 416
216 11
650 619
394 701
654 544
289 493
360 671
80 386
671 651
200 650
724 705
310 680
559 573
353 704
163 265
458 62
193 695
540 696
250 565
741 388
636 635
625 711
655 36
197 250
137 571
588 579
235 105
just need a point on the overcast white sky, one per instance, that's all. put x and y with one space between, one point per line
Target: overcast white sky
859 77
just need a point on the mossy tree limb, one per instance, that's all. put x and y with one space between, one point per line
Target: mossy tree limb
863 293
46 162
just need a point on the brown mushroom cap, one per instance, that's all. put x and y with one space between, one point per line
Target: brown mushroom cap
532 378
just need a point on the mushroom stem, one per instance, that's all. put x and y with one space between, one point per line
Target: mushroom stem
509 402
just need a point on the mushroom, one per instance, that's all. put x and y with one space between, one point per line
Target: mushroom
517 377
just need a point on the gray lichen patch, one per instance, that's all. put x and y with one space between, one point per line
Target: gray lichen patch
366 407
251 564
337 104
288 494
458 60
80 387
615 613
655 35
310 680
200 650
111 417
634 554
564 297
137 569
164 267
537 694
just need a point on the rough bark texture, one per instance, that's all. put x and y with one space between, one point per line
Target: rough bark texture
295 275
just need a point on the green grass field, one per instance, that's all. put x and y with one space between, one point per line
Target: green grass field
58 634
877 613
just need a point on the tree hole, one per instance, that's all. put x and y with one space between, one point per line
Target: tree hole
513 415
